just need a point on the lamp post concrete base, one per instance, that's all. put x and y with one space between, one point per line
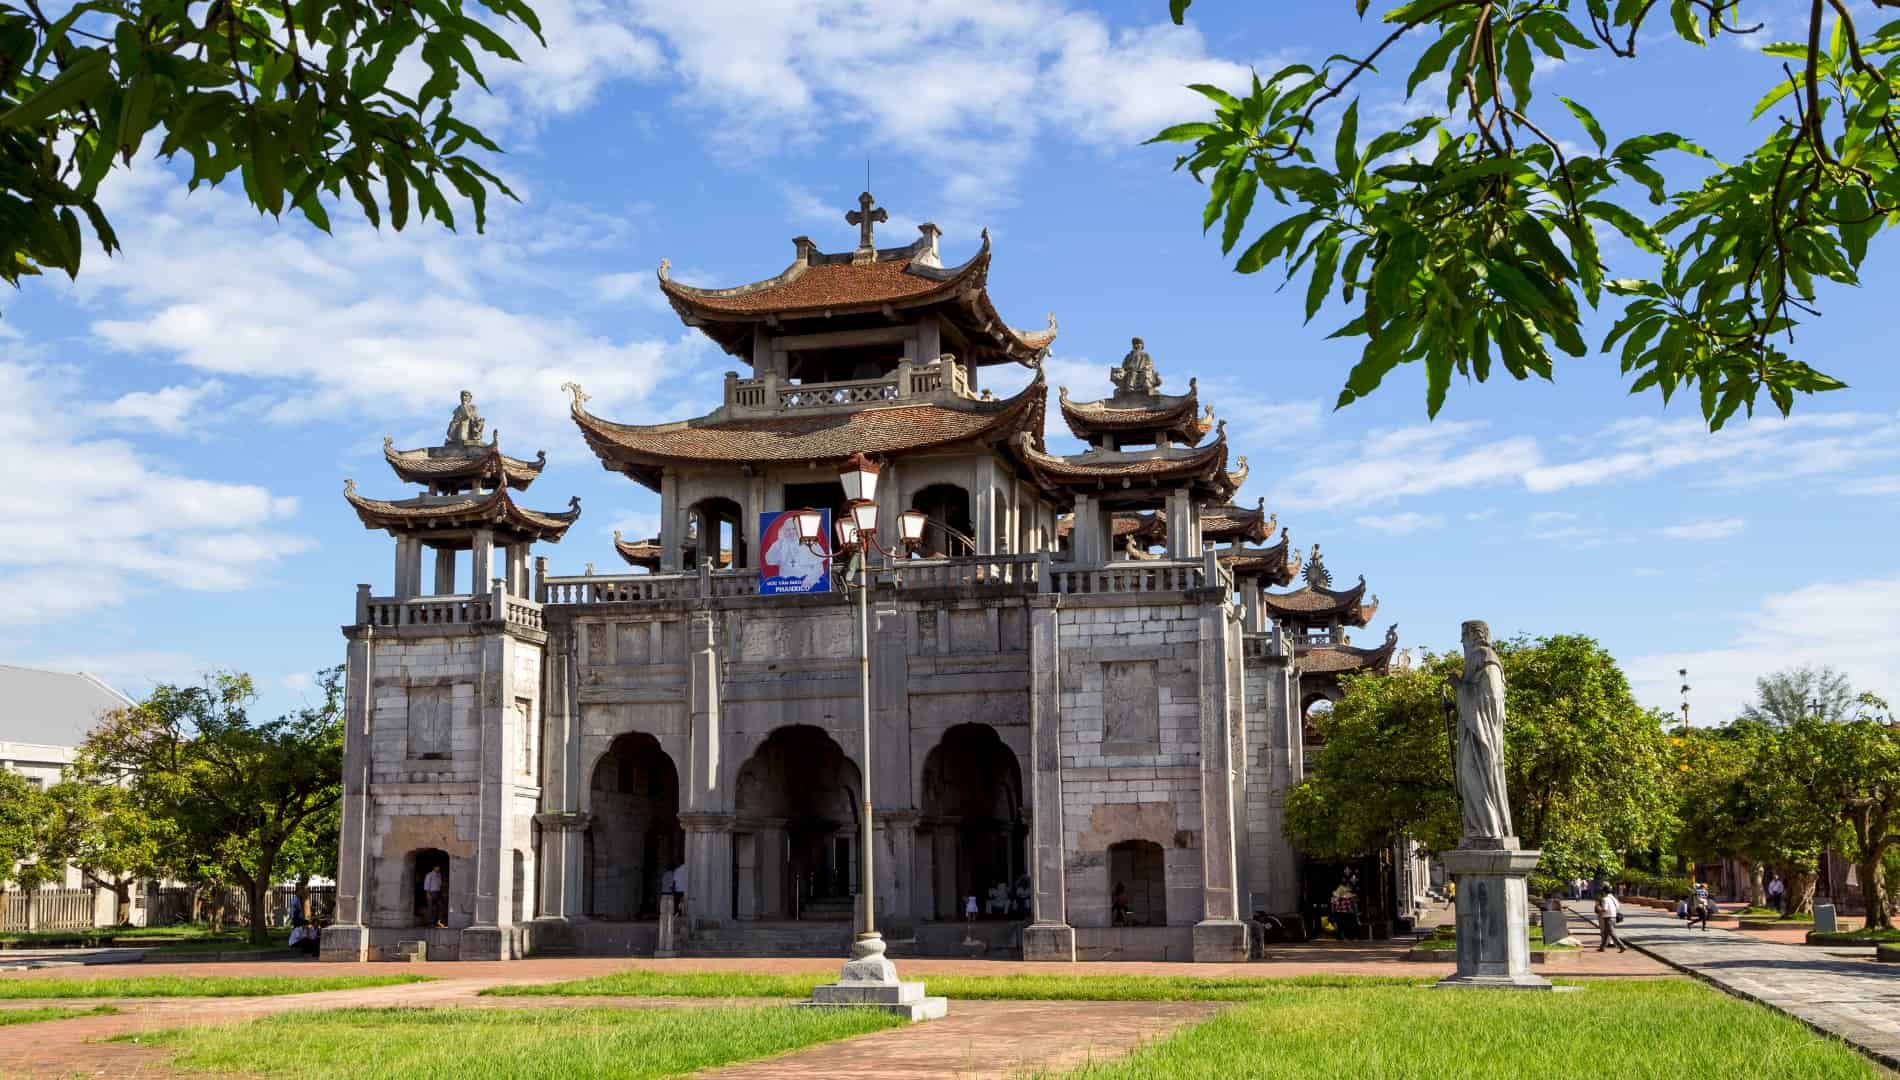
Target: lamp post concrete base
869 980
1494 936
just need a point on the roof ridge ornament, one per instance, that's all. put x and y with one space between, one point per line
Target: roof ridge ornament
866 217
1314 573
1137 374
580 395
466 425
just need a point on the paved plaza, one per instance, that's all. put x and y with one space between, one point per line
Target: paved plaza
1857 1000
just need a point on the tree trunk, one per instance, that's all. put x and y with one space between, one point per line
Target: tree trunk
122 902
1873 892
1797 881
258 890
1755 893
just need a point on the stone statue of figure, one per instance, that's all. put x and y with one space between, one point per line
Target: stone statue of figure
1487 811
1137 374
465 427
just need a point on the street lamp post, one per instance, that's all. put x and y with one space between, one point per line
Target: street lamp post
869 977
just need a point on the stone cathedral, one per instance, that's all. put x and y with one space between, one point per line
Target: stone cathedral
1089 681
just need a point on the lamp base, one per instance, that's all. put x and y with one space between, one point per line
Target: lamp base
869 980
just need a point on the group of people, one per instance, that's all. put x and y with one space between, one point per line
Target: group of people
1697 906
1001 901
306 936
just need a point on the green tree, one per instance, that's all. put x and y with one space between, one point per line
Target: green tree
1851 772
1584 764
1787 696
104 829
1736 800
237 793
1470 236
22 830
296 96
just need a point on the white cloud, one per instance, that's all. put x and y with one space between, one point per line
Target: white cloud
1849 625
1423 459
1879 485
1402 523
378 326
171 410
1549 517
1711 529
1754 451
108 521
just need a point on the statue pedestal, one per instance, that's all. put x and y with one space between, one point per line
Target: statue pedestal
869 980
667 944
1494 942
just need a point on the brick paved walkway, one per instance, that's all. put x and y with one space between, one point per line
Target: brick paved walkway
1856 1000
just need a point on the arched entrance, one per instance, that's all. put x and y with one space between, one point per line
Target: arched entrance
973 807
1314 709
1137 884
947 507
795 840
635 834
715 529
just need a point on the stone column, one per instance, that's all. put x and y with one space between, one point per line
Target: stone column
563 825
1049 936
1087 545
895 831
1273 864
702 693
444 571
481 563
772 866
347 939
408 567
669 519
947 841
923 872
1220 935
708 868
747 899
491 935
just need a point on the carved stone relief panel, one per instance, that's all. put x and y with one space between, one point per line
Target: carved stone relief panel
431 722
1131 702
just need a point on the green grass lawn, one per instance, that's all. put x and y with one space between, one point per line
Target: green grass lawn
521 1044
1865 936
1444 939
51 1012
188 934
735 984
142 986
1664 1028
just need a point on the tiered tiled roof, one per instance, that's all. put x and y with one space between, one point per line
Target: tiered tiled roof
440 465
1274 565
1230 524
1347 659
887 280
1176 415
494 510
1313 604
641 553
1205 468
642 451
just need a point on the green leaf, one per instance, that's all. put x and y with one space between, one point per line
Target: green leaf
1780 90
1432 61
1518 68
1324 262
83 77
1587 119
1238 207
1346 143
1185 132
1626 223
1177 10
1215 94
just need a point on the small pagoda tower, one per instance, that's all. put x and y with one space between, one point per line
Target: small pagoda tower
1146 454
441 753
1316 616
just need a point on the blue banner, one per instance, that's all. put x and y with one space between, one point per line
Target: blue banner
786 565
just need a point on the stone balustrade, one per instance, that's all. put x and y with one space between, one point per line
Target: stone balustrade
772 393
448 610
1131 576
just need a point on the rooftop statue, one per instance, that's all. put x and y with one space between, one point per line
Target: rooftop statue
467 425
1487 810
1137 374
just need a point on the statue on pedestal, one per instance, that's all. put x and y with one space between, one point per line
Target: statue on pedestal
1480 765
1137 374
466 425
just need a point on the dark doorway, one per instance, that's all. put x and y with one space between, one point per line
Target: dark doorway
635 835
947 507
1137 871
797 803
973 801
420 863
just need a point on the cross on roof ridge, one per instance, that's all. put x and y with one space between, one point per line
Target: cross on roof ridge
864 217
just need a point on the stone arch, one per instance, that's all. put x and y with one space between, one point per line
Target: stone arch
416 873
948 507
715 529
795 832
971 797
1138 868
1315 704
635 833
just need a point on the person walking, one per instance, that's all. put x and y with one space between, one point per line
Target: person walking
1701 906
1775 894
432 889
1608 911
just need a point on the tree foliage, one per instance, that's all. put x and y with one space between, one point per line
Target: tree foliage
1470 236
299 97
1850 771
1585 765
100 825
1737 799
237 794
1787 696
22 832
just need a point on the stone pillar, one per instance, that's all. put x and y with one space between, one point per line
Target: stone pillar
481 563
708 868
896 831
983 498
949 898
1273 875
702 692
492 935
408 567
444 571
772 867
923 872
1087 545
347 939
747 898
1049 935
670 534
1184 526
1494 935
1220 935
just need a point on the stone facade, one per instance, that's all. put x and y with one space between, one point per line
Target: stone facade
1090 709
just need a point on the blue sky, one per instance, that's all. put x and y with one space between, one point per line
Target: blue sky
177 425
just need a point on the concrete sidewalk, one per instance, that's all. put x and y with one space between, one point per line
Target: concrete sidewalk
1855 1000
